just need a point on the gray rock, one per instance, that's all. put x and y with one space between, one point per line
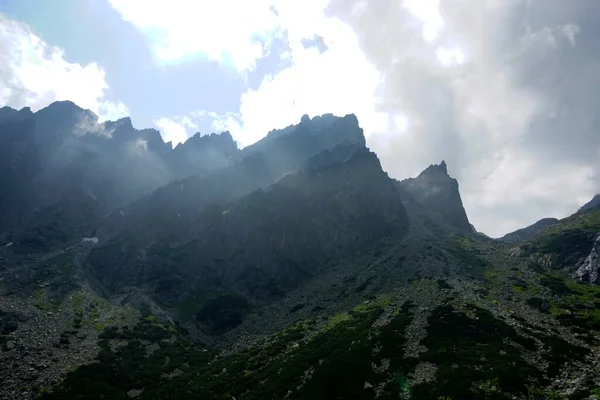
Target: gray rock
9 345
22 317
10 326
589 271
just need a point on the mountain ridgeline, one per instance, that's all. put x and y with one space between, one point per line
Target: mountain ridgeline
527 232
60 161
294 268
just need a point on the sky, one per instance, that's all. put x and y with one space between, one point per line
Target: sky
505 91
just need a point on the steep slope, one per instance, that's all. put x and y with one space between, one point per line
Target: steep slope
19 164
527 232
169 209
61 154
435 190
593 203
259 247
564 245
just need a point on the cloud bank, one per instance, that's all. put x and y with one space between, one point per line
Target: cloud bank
35 74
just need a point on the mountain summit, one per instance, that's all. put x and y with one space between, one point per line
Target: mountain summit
438 192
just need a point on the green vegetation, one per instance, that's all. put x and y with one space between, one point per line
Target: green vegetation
568 240
339 360
40 299
578 304
465 252
222 313
473 359
55 280
476 358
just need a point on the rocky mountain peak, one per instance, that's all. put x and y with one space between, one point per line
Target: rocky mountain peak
437 191
8 113
124 123
63 112
223 140
203 152
436 169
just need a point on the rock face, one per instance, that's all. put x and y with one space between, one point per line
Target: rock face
589 271
594 203
202 153
62 170
339 203
531 230
169 209
438 192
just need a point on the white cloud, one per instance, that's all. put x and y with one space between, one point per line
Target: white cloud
226 122
179 128
227 31
450 57
428 11
34 74
175 130
570 31
461 80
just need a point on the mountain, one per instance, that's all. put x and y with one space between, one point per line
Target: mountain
294 268
202 153
60 155
594 203
437 191
168 209
527 232
259 247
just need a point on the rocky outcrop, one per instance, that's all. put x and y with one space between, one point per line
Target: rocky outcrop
528 232
589 271
201 153
438 192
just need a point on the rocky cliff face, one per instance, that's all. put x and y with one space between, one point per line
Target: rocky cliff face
60 155
435 190
170 208
589 271
270 241
202 153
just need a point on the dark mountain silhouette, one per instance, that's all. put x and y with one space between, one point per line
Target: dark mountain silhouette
437 191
